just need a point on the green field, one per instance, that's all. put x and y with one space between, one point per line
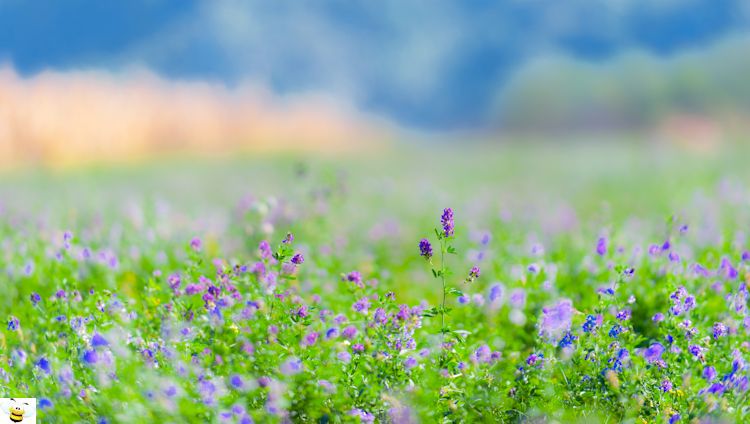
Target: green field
156 304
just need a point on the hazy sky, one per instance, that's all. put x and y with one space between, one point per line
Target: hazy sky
430 64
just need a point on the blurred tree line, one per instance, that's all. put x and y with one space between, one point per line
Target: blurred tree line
634 90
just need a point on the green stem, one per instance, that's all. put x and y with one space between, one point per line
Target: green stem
442 278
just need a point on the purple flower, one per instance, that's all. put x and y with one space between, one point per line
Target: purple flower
291 366
709 373
447 221
174 281
298 259
556 319
567 340
410 363
624 314
344 357
496 293
719 330
591 323
45 403
98 341
311 338
264 249
674 418
288 239
695 350
474 273
518 298
43 365
236 381
535 359
425 248
13 323
349 332
35 298
717 389
362 305
615 331
358 348
653 353
196 244
658 317
666 385
192 289
355 277
601 246
90 357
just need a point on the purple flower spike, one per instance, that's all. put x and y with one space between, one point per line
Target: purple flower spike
556 319
709 373
425 248
601 246
447 221
98 341
653 353
298 259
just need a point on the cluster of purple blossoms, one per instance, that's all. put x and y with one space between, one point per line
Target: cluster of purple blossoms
601 246
355 277
727 269
447 222
425 248
484 355
653 353
719 329
567 340
556 319
298 259
535 359
624 314
13 323
362 305
264 250
592 323
681 301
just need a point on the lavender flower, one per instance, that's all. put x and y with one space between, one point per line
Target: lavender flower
556 319
601 246
653 353
474 273
13 323
425 248
709 373
447 222
98 341
298 259
719 330
264 249
590 324
362 305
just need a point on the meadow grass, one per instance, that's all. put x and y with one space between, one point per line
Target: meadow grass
610 285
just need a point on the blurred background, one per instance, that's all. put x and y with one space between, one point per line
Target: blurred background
85 82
